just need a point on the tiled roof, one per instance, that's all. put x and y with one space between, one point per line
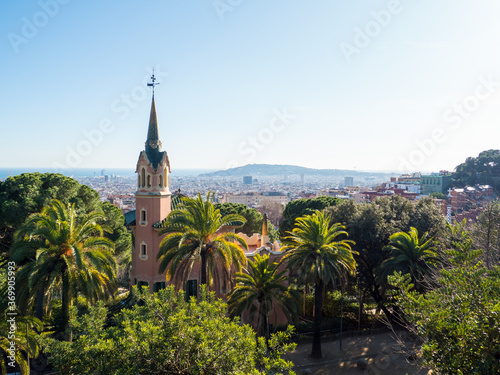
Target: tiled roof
153 144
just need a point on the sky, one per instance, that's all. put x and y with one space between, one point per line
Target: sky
398 85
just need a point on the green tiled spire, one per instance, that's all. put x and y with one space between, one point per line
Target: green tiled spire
153 125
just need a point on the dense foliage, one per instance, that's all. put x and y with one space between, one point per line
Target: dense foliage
64 254
167 335
302 207
28 193
458 321
370 227
483 169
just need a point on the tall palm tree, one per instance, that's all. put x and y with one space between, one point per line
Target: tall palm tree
258 288
316 251
66 255
195 232
411 255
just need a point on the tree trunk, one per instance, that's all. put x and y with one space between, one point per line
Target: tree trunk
39 301
263 323
318 306
204 268
65 306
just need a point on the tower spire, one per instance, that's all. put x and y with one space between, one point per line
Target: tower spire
153 143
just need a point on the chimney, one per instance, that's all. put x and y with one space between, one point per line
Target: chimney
264 238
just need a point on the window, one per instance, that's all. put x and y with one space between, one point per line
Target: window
143 177
143 218
149 180
138 180
144 251
191 289
160 178
142 283
158 286
165 177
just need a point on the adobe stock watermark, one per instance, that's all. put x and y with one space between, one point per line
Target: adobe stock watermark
372 29
455 117
258 143
11 314
94 137
221 7
32 25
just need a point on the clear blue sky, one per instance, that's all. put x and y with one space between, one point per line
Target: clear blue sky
371 85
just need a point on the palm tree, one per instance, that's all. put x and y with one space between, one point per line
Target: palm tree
411 255
66 255
318 255
195 232
258 288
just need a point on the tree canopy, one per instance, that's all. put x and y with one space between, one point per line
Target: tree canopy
458 321
193 234
28 193
167 335
370 226
63 254
302 207
261 286
483 169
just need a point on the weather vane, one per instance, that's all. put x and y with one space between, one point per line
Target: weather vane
153 82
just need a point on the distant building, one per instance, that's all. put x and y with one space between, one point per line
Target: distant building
435 183
371 195
413 178
256 199
348 181
247 180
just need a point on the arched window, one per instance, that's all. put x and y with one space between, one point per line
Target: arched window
165 177
149 180
160 178
143 177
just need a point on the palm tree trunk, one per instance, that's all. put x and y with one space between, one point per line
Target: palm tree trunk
318 306
39 301
204 268
264 324
65 306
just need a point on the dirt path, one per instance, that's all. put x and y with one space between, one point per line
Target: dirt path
381 352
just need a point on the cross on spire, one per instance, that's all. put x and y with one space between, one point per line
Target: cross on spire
153 83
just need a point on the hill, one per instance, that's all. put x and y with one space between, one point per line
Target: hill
277 170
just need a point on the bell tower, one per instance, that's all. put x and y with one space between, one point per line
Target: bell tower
153 204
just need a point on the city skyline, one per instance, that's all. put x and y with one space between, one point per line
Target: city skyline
390 85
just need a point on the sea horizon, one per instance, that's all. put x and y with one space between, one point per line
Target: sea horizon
91 172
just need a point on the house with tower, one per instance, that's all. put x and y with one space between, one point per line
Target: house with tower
154 201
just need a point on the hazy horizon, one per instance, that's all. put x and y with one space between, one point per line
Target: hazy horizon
180 172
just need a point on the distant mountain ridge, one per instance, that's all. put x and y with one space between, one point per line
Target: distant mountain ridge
278 169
